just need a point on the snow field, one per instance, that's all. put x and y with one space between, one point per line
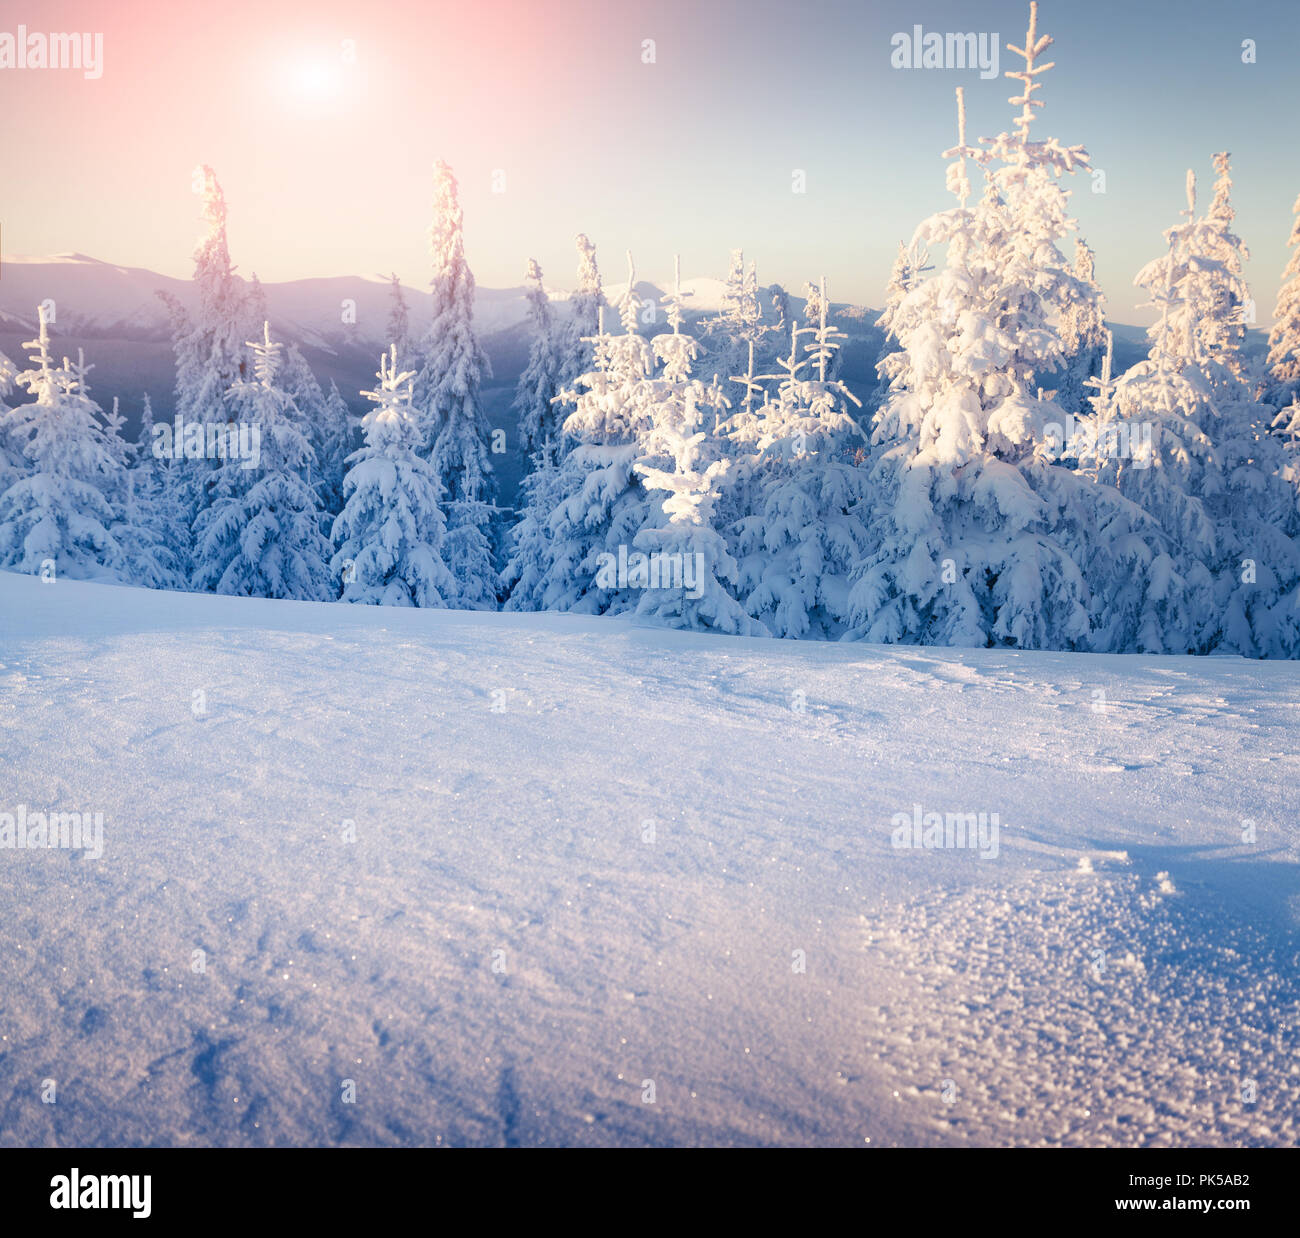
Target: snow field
502 958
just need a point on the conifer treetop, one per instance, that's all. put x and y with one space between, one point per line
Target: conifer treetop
1035 45
1221 205
392 398
446 240
749 380
212 254
588 296
41 359
675 314
958 181
399 318
1085 261
266 357
586 260
1105 385
630 304
826 339
1284 338
1017 149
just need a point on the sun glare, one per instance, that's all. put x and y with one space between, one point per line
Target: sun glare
315 80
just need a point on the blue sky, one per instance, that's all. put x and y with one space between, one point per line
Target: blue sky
327 164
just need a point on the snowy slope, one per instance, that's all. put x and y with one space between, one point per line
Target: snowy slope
1116 975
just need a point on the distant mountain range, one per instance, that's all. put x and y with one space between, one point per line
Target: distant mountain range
98 300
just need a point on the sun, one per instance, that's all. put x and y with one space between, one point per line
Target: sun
315 80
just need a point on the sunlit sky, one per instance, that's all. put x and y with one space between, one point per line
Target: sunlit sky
326 157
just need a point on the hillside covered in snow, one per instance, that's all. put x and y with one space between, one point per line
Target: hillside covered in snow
385 876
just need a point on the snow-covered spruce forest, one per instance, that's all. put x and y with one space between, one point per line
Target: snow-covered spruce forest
1008 485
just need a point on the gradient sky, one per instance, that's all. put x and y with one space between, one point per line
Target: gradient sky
327 165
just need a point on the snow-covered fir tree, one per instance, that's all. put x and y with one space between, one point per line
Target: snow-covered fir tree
739 438
1154 575
390 534
805 533
602 504
911 264
977 537
400 334
208 344
469 551
155 492
337 440
299 383
1287 425
534 403
681 562
815 312
739 322
449 406
256 311
260 534
677 354
142 557
12 462
58 516
1284 338
150 541
319 420
1222 332
814 306
1283 387
689 573
144 440
779 299
529 544
1214 478
1257 585
1083 336
583 324
210 351
1253 501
